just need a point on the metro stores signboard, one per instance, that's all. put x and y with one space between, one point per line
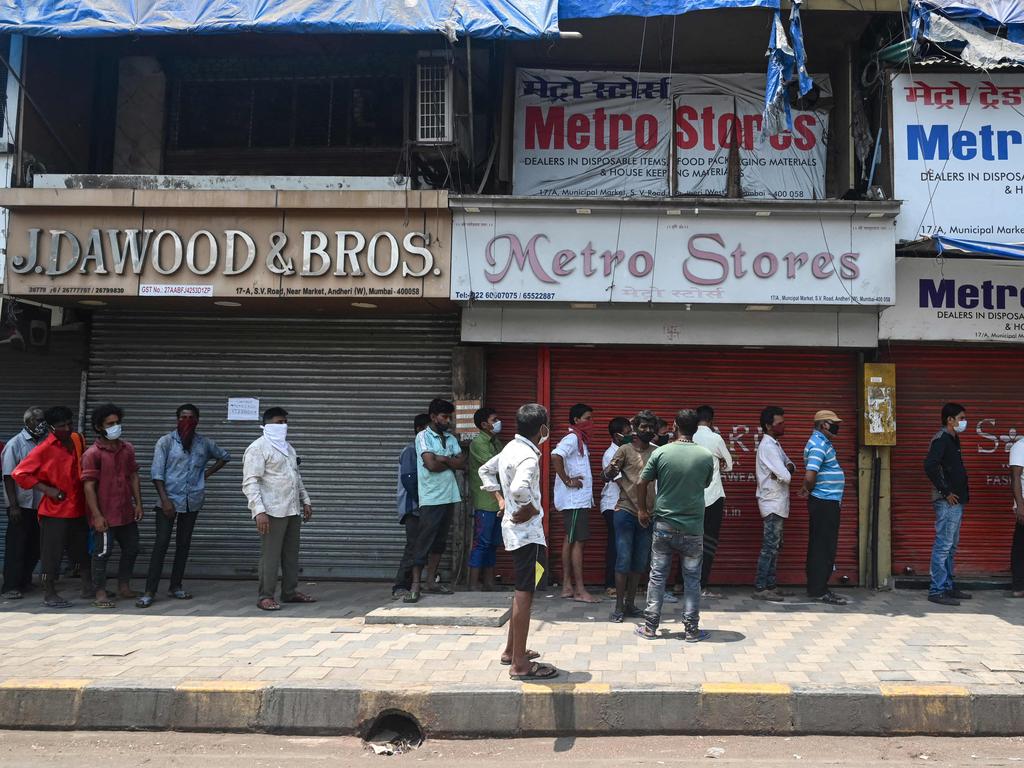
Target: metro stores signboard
959 156
590 134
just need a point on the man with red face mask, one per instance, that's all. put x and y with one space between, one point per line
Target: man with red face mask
181 467
574 497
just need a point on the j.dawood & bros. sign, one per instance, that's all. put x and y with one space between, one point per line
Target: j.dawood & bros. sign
326 253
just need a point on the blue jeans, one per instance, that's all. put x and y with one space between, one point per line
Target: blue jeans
632 543
947 537
769 556
691 551
486 535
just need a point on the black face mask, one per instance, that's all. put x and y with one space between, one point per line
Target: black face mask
833 428
664 439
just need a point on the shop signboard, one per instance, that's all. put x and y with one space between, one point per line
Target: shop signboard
684 257
978 300
607 134
958 155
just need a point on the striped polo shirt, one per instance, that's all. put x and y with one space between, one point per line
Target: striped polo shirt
820 457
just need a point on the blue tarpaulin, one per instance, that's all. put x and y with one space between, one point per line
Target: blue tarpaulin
96 18
958 245
1002 12
599 9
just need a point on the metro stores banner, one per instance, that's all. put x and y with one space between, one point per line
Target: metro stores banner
959 156
597 134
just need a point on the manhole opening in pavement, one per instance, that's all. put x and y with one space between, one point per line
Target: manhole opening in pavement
393 732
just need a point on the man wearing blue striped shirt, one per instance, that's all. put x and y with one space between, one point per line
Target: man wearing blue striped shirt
823 485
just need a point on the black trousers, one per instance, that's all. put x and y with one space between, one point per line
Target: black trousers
186 522
58 533
403 578
609 549
1017 557
21 550
822 540
712 529
127 538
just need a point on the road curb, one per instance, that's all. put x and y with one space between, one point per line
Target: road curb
529 710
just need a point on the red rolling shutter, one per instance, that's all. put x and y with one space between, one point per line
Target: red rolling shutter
737 383
988 382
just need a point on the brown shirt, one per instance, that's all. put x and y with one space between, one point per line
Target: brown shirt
630 463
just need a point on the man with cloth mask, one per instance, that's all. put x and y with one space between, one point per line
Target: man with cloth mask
272 484
181 467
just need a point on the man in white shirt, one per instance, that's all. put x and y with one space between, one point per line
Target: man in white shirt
574 497
714 494
513 476
1017 550
774 474
621 432
277 496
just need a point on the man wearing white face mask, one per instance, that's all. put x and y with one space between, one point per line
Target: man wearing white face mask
944 466
486 509
277 496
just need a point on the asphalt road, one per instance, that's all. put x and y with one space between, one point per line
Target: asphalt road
33 749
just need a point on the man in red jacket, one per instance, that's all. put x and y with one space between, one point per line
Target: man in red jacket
54 468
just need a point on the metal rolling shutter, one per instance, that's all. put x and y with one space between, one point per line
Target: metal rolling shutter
987 381
511 382
737 383
352 387
29 378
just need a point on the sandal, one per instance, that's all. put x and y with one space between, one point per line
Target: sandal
641 631
439 589
56 602
412 597
537 672
268 604
530 655
104 604
13 594
298 597
144 602
180 594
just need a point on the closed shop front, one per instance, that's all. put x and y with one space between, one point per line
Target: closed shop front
948 346
630 307
331 305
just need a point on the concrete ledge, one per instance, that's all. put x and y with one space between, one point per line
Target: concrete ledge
514 710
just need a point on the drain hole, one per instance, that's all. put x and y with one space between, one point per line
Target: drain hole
394 732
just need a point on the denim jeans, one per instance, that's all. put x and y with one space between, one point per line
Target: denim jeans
769 557
691 551
947 537
632 543
486 535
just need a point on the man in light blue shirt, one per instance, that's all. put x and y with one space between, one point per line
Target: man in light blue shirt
824 482
438 454
180 471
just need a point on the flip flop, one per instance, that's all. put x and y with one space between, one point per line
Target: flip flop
104 604
268 604
530 655
13 594
298 597
438 589
593 601
59 602
412 597
537 672
180 594
144 602
641 631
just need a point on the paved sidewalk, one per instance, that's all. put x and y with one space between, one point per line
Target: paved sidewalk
883 644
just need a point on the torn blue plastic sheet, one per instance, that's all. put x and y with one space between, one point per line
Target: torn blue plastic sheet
599 9
777 115
796 34
1000 12
452 18
957 245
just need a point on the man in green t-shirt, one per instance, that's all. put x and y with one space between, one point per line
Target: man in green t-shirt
682 470
486 510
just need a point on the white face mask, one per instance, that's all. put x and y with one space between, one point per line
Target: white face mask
277 434
496 427
961 425
113 433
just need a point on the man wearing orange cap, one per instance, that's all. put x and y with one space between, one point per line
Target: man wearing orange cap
823 485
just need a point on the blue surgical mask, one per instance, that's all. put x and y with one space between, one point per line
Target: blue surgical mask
961 425
496 427
113 433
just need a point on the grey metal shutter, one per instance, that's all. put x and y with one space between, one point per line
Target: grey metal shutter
351 385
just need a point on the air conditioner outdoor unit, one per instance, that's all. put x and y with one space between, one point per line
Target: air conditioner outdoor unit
434 102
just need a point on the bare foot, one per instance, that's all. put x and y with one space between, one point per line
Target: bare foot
585 597
567 593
